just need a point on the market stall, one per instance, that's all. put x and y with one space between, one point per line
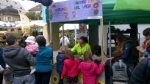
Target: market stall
73 11
109 17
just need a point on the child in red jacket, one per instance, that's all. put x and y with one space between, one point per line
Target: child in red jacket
70 68
89 69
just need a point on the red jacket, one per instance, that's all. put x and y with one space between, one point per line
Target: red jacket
70 68
90 72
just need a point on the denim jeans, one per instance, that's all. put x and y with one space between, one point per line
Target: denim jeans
27 79
42 77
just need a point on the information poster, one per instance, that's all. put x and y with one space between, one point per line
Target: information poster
72 10
85 9
83 31
59 11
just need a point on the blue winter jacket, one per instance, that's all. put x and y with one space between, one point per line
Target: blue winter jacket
147 51
127 52
139 73
2 63
44 57
60 61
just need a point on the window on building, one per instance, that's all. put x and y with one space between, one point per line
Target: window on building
1 18
9 18
6 0
15 2
12 30
16 19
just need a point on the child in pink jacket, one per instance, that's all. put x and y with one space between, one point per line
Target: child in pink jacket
70 68
89 69
32 48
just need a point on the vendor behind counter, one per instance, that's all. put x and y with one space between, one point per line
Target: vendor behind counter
81 47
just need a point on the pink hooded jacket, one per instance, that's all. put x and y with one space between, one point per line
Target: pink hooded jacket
32 48
70 68
90 71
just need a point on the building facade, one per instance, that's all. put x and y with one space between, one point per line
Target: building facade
9 10
9 14
36 9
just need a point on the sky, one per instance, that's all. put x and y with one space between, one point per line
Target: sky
27 4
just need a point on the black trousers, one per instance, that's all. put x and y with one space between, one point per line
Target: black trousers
60 80
1 78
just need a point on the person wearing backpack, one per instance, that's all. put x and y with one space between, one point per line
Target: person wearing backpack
120 72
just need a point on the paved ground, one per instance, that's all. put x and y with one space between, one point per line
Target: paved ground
54 56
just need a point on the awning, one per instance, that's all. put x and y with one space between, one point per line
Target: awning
132 5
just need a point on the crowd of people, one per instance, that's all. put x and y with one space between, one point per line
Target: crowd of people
29 61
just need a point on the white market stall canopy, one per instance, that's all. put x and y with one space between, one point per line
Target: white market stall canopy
34 23
71 27
37 23
7 24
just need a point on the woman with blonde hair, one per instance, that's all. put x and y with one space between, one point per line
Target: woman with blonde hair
60 61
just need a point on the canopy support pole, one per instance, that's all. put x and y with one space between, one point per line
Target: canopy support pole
110 40
63 34
110 47
51 34
102 37
75 33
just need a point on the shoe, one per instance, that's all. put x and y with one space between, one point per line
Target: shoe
32 71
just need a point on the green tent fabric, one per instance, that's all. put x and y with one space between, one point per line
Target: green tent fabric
124 16
132 5
119 16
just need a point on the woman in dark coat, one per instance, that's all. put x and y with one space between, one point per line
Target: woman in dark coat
125 45
22 43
